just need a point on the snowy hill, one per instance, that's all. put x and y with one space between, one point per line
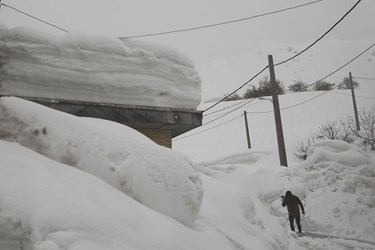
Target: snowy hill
223 76
301 113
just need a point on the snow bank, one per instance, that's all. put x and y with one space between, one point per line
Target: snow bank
337 182
154 175
51 206
95 69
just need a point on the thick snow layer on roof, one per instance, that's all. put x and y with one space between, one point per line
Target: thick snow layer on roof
156 176
95 69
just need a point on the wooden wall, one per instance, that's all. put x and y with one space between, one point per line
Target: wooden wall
160 136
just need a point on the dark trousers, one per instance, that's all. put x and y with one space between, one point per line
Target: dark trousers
298 221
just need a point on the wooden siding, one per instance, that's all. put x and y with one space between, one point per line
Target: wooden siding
160 136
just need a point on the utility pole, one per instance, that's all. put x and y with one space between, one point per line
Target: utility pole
276 110
247 130
354 102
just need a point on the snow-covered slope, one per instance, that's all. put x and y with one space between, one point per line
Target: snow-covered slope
154 175
301 114
223 76
95 69
51 206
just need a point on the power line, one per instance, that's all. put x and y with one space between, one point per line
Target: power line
223 23
243 85
321 37
364 78
209 128
338 69
233 105
364 97
38 19
244 104
230 111
298 54
325 77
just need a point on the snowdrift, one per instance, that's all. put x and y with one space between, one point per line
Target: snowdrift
154 175
95 69
51 206
337 182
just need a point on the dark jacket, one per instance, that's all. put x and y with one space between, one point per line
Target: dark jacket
292 202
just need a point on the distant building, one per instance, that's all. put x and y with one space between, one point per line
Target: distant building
159 124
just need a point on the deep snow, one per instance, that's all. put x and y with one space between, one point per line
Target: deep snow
95 69
50 205
60 175
154 175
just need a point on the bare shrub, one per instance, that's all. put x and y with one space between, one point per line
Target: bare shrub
264 89
299 86
346 83
301 147
323 85
335 130
366 134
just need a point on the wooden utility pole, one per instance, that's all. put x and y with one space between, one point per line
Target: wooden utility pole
354 102
247 130
276 111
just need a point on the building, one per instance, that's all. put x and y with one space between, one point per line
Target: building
159 124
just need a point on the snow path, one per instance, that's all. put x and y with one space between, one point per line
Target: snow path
326 236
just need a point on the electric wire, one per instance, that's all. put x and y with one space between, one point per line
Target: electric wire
364 78
223 23
229 112
321 37
219 110
303 102
243 85
38 19
287 60
363 97
221 124
214 113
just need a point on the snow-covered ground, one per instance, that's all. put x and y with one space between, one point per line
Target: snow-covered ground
317 62
79 183
46 204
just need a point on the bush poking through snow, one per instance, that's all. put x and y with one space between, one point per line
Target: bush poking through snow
343 130
366 134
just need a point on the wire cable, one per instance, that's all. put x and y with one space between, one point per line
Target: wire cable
364 97
243 85
231 106
364 78
321 37
230 111
176 139
223 23
323 78
291 58
38 19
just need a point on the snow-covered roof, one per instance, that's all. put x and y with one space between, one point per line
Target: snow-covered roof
95 69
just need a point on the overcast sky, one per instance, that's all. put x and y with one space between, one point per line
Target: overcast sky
129 17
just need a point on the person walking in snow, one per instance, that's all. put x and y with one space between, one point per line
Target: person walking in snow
293 204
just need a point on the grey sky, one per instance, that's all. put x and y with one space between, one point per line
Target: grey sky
129 17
